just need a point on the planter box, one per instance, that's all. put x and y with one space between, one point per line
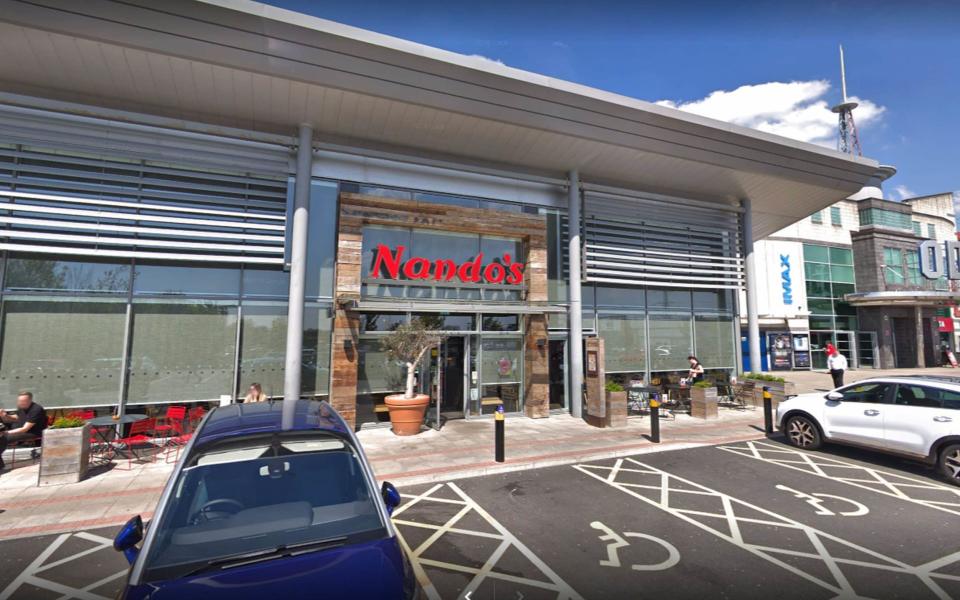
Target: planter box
615 409
703 402
65 455
778 390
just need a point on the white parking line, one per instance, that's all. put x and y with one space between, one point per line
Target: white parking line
940 497
30 574
671 491
507 540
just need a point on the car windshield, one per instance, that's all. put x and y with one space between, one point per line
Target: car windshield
260 494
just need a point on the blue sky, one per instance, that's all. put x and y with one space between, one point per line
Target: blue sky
771 65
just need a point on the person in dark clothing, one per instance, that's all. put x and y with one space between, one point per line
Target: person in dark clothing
28 424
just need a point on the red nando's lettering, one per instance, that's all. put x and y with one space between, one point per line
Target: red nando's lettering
444 269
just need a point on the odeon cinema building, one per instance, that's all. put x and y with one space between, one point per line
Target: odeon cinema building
197 195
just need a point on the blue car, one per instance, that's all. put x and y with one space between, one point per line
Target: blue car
256 509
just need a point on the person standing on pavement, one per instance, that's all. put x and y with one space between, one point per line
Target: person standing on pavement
837 364
29 423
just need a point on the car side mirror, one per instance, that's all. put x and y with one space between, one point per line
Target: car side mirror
834 396
128 537
391 497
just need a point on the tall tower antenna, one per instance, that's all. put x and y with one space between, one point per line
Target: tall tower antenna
848 141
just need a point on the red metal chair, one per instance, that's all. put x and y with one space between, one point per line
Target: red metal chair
171 425
138 441
196 415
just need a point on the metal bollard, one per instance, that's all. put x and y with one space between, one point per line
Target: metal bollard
498 424
767 410
654 420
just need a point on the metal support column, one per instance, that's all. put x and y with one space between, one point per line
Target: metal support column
750 276
918 316
575 343
298 271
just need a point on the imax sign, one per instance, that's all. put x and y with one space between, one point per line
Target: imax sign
940 260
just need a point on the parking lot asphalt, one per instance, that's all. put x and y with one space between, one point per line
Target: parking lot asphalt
744 520
749 520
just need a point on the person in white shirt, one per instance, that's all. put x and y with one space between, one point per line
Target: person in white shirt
837 363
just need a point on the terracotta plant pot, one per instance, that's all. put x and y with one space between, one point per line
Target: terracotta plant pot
406 414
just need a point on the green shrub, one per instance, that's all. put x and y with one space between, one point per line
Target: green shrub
613 386
703 384
68 423
764 377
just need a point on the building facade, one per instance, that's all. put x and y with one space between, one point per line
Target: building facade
858 260
229 214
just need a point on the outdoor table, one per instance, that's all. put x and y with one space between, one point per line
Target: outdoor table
682 395
102 426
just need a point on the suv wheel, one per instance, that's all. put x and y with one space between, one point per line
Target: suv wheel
950 463
802 432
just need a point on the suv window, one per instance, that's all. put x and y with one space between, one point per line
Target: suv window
866 392
928 397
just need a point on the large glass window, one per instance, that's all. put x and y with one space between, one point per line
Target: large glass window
317 332
183 280
67 352
624 342
38 273
715 342
377 373
893 266
830 277
263 345
322 243
670 342
182 352
886 218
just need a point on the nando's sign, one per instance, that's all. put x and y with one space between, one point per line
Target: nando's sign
505 271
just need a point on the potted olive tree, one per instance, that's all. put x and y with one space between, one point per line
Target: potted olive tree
66 451
703 400
409 343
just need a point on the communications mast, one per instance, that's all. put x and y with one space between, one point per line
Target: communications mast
848 141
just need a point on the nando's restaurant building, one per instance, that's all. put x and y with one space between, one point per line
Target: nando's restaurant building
222 193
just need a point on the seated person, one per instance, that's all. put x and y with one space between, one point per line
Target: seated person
29 423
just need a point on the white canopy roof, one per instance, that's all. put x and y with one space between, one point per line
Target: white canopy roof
245 65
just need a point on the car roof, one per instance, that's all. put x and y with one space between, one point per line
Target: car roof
238 420
948 380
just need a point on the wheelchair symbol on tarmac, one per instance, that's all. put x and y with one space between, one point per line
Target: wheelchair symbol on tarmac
817 501
616 542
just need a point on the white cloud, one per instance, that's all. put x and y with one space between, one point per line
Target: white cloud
486 58
796 109
902 192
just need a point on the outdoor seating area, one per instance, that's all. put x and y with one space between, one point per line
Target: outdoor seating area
674 396
122 441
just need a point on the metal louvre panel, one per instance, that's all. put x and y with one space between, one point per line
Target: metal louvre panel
67 202
47 129
652 242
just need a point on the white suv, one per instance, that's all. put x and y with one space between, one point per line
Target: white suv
918 417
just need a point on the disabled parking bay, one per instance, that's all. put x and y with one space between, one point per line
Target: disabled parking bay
735 521
81 564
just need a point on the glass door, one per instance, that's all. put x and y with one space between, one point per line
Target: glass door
557 350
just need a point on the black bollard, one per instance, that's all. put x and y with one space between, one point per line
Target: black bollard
767 410
498 434
654 421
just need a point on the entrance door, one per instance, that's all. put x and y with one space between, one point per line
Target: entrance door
451 377
904 343
444 381
846 345
558 386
